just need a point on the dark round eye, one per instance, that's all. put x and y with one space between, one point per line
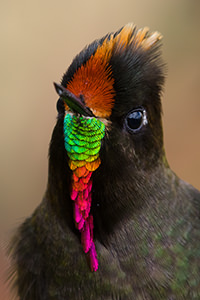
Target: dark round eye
136 119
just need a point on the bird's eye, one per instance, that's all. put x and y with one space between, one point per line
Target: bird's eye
136 119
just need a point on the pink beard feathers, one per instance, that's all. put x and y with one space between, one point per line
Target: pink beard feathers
81 195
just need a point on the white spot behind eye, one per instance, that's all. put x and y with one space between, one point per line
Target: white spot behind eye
145 121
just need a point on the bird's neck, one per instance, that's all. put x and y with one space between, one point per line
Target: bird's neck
117 197
119 189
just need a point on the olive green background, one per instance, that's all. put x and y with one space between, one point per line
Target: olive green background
38 41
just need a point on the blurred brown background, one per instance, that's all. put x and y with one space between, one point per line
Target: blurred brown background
38 41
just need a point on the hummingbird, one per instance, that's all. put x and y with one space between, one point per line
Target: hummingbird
115 221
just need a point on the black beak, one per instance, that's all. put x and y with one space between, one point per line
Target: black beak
75 104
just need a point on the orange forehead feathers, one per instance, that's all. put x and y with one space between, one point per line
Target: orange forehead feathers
94 80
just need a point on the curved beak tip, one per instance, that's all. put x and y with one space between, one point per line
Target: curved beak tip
76 104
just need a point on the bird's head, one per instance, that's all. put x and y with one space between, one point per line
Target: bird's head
110 109
118 80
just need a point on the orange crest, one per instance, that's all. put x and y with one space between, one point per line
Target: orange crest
94 80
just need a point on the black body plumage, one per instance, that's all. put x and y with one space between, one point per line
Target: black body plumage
146 219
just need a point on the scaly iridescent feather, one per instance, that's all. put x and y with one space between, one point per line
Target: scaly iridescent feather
82 138
111 192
